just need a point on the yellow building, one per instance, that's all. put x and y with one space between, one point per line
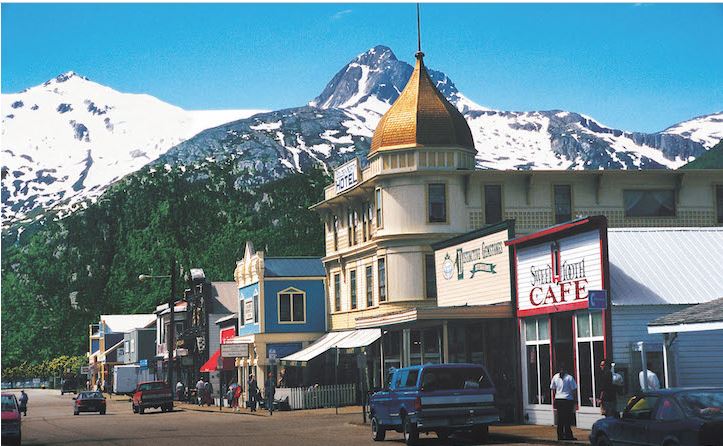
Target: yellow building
420 187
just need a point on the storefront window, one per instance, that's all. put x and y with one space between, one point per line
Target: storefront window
392 342
590 352
415 347
430 343
537 340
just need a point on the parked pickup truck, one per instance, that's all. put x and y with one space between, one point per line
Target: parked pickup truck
440 398
152 394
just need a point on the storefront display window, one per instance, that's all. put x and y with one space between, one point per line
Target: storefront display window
392 350
537 343
590 351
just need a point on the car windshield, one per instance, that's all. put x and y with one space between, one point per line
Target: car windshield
8 403
90 395
152 386
449 378
703 403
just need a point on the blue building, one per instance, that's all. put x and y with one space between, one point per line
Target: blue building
281 309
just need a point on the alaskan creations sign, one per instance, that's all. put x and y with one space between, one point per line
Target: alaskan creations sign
346 176
474 272
235 350
558 275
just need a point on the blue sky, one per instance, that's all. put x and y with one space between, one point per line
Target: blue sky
635 67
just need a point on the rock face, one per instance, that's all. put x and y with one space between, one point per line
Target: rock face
56 128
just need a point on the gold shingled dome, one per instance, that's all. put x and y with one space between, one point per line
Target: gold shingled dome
421 117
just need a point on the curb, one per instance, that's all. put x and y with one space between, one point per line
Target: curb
192 408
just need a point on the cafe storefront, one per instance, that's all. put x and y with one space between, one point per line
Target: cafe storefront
556 269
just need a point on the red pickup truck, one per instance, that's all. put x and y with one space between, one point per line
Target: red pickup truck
155 394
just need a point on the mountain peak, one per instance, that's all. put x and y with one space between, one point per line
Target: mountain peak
64 77
376 57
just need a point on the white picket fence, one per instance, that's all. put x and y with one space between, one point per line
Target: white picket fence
318 396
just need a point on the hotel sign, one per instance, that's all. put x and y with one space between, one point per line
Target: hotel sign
234 350
558 275
474 272
346 176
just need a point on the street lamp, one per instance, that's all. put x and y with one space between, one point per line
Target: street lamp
172 306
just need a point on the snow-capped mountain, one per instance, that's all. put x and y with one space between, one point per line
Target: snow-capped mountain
66 140
70 138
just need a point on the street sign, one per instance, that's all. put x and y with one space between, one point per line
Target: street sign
143 363
597 300
85 370
234 350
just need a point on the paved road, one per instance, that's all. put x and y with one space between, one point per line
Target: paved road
50 421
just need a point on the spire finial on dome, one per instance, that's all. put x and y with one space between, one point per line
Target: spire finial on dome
419 54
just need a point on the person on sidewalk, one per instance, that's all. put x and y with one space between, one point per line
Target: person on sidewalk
199 391
648 380
608 397
564 387
270 391
179 390
253 390
236 397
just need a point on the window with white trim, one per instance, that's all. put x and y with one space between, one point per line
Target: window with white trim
537 357
590 352
352 288
292 306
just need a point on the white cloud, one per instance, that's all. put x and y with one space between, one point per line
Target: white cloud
341 14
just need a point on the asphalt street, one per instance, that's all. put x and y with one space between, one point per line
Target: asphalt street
50 421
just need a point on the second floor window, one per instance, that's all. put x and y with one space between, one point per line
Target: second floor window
649 203
291 306
335 228
256 308
352 288
337 292
429 276
369 286
437 203
378 204
493 204
719 202
382 278
563 203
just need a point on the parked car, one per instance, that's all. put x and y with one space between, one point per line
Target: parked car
669 417
89 402
441 398
155 394
11 420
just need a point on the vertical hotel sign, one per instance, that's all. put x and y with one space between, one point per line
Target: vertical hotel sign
557 275
346 176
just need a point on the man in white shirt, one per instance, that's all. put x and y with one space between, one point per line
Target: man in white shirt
651 383
564 386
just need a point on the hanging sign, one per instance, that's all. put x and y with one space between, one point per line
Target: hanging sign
234 350
597 300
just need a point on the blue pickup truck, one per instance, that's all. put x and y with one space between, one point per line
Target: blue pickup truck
440 398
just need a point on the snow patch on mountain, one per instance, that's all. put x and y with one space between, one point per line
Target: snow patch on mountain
707 129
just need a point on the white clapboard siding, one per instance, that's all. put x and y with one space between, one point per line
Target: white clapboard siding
697 357
572 249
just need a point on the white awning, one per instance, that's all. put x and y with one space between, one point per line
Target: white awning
336 339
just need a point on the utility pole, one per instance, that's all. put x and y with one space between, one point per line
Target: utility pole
172 326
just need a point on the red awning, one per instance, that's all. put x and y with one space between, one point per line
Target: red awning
212 363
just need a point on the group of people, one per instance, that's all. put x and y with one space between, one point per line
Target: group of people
564 387
254 395
204 390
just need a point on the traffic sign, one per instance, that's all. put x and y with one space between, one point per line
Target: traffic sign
597 299
143 363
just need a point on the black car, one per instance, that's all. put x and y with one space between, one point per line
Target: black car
69 385
670 417
89 402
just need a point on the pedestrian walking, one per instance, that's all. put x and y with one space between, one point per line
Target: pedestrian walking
208 392
608 397
253 390
199 391
23 403
648 380
236 397
270 391
564 387
180 390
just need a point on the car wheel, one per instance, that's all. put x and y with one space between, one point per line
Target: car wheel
141 410
481 433
378 431
102 412
411 434
602 440
170 407
442 434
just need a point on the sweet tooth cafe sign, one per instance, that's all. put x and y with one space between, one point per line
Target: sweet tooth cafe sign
557 276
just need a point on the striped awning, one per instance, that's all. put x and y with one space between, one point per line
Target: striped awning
342 340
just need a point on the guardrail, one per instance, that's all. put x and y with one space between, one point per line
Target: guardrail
318 396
